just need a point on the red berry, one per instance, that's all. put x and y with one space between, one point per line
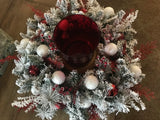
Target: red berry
53 89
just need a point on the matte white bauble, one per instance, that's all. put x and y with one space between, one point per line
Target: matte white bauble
35 91
24 42
109 11
136 70
58 77
43 50
91 82
111 49
85 103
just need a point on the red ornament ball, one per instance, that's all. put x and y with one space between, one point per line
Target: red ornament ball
77 37
114 91
34 70
60 106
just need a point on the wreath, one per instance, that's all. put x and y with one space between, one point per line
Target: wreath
79 57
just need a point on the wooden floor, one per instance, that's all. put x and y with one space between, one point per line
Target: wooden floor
13 15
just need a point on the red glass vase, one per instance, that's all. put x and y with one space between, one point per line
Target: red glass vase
77 37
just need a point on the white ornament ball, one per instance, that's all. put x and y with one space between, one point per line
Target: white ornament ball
43 50
136 70
35 91
85 103
111 49
24 42
109 11
91 82
32 43
58 77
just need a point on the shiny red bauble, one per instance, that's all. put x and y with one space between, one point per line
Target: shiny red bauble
77 37
114 91
60 105
34 70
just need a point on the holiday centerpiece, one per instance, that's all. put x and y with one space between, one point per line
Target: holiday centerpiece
79 57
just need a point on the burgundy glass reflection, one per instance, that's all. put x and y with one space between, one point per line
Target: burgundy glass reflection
77 37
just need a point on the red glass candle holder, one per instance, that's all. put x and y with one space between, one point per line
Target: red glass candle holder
77 37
